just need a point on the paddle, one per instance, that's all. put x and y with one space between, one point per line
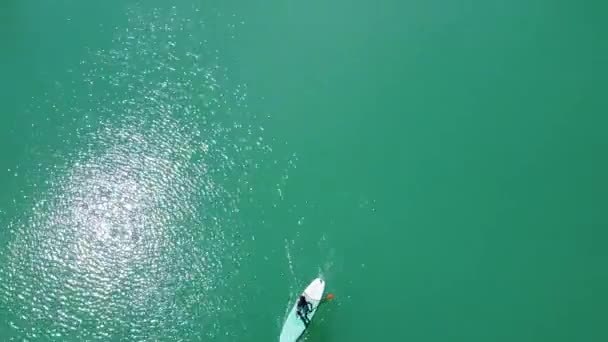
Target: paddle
329 297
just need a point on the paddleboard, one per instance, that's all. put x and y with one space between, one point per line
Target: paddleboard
294 326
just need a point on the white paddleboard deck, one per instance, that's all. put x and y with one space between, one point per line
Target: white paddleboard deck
293 326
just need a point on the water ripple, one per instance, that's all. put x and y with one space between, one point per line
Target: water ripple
129 237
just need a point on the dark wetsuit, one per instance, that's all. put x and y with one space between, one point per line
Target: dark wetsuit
303 309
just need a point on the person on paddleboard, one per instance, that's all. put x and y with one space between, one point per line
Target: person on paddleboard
304 307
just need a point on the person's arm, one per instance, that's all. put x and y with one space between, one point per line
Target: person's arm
310 306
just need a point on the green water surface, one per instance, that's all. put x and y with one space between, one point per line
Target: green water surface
180 170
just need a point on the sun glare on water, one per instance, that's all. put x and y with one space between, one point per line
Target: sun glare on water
131 233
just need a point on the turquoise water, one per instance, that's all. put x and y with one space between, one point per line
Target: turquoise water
181 170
